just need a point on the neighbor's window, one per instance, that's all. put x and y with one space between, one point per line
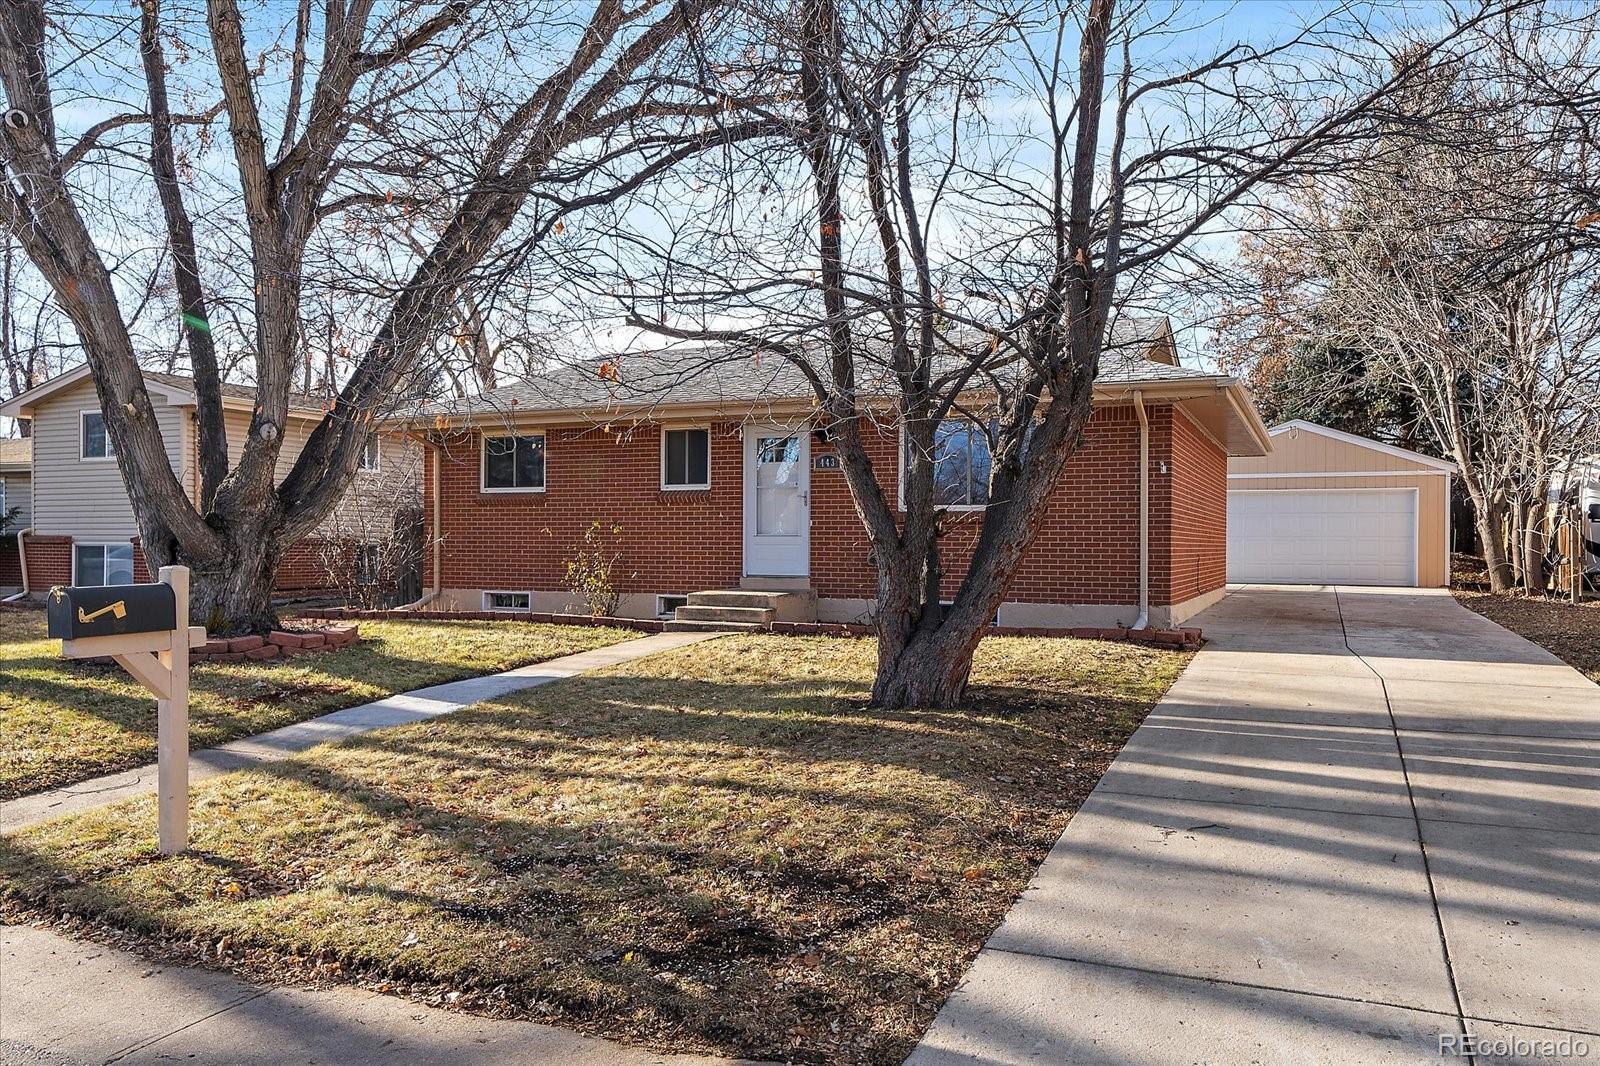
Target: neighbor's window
686 459
102 564
960 464
369 455
369 563
506 601
96 442
514 464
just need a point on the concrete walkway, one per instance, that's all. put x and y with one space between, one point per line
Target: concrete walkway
66 1003
401 709
1361 820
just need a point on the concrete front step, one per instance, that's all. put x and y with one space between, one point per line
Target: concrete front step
787 606
698 612
676 626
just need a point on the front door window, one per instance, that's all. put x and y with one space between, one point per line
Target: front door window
779 511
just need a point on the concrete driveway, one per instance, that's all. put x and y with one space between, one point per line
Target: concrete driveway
1363 820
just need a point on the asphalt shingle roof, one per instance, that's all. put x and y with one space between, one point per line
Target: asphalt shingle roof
15 453
709 377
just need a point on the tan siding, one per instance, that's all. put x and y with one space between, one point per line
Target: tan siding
1301 450
19 494
85 498
398 459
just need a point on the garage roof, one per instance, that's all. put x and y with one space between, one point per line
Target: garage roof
1365 442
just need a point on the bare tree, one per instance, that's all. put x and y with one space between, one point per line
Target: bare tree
372 539
1455 260
966 195
352 131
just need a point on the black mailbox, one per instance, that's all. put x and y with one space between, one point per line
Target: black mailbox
110 610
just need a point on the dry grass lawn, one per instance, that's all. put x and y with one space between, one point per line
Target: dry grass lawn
63 721
1571 632
721 848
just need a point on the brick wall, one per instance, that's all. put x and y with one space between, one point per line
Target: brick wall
49 561
1196 497
671 542
302 569
1085 550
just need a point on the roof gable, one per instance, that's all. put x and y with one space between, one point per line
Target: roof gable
1367 443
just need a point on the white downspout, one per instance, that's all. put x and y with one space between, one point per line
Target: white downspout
1144 513
438 539
22 561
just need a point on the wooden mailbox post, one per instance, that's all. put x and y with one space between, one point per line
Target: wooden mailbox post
146 629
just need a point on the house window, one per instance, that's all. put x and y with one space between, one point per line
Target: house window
961 461
666 606
94 442
369 456
102 564
686 458
507 601
513 464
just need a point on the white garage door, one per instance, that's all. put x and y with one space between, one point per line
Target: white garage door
1360 537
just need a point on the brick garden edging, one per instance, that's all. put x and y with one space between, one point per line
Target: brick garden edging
1188 638
280 643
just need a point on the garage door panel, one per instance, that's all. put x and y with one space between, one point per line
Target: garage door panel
1365 537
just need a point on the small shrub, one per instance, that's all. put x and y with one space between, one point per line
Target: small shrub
592 570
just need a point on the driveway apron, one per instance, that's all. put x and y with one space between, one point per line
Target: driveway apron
1363 826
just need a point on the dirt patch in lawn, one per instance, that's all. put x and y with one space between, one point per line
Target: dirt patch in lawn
1571 632
719 849
62 721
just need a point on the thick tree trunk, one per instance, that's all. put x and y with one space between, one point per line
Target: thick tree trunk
231 594
931 670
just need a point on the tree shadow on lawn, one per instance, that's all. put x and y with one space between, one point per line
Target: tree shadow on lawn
770 870
228 701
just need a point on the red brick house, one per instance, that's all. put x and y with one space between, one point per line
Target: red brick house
717 478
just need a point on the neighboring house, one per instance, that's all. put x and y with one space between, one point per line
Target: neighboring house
82 524
16 493
1328 507
719 478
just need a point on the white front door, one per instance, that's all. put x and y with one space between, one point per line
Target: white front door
777 502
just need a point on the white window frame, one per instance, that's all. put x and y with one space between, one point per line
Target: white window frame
103 546
483 460
2 496
685 488
956 507
376 454
661 608
111 449
488 593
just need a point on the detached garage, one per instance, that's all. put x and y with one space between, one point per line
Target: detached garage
1328 507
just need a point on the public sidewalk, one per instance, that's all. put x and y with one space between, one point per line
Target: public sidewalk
400 709
68 1003
1362 820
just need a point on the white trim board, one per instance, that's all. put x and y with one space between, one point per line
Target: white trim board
1364 442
